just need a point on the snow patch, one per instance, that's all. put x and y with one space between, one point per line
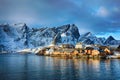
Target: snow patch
63 35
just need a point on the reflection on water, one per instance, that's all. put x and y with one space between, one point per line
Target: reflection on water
33 67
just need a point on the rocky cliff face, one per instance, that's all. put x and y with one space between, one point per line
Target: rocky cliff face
13 37
44 36
112 41
20 36
89 38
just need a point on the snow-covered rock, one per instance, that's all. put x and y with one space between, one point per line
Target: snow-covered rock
112 41
20 36
89 38
13 37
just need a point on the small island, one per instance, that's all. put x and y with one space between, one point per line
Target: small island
81 51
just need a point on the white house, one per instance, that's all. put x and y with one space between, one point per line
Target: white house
79 45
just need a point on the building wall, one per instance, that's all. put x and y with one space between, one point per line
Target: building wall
79 46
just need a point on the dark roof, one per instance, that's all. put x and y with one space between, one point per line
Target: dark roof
103 47
89 48
68 45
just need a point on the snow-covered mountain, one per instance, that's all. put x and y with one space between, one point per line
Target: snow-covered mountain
20 36
112 41
13 36
69 35
89 38
44 36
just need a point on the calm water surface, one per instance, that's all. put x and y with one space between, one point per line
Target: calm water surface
33 67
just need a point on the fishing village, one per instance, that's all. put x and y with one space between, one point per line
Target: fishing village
81 50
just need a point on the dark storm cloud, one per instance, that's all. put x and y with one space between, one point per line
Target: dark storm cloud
98 16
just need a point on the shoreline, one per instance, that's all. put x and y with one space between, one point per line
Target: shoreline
70 56
82 56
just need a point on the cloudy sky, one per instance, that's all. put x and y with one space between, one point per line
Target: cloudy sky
101 17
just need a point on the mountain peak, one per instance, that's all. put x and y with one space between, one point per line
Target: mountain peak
110 38
88 34
20 24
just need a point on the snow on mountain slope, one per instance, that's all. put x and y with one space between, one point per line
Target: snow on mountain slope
70 35
64 34
112 41
89 38
13 37
20 36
